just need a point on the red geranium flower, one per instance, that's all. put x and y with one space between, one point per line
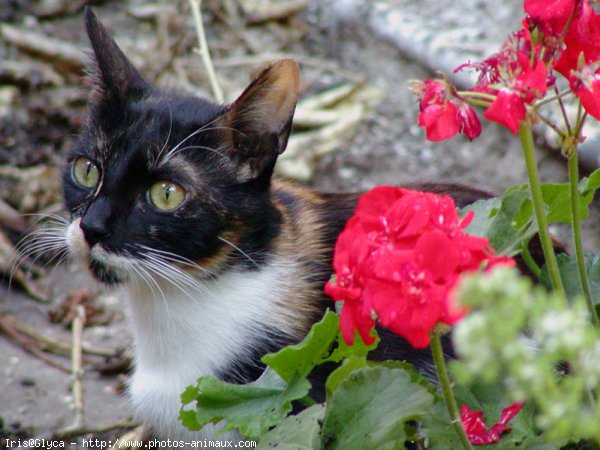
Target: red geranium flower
586 85
398 259
513 77
582 41
443 114
551 16
477 431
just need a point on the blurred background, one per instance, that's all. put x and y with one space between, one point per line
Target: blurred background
355 128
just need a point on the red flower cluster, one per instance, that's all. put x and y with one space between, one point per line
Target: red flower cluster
524 68
579 62
514 78
475 427
443 113
398 259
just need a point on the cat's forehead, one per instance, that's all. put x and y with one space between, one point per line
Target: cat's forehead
154 127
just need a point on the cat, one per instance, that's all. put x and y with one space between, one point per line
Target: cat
172 198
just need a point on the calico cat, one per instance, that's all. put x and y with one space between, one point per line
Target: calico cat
172 198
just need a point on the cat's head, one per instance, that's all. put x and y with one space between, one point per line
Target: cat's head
158 179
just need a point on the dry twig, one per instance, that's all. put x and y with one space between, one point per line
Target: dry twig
57 51
76 357
204 52
27 344
55 346
261 11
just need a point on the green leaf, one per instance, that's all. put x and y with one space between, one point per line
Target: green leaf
569 274
369 408
505 221
324 343
252 408
299 360
349 365
491 400
590 184
255 407
509 220
299 432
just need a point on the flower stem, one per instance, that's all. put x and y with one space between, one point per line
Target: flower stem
530 262
538 205
573 180
561 94
442 374
474 94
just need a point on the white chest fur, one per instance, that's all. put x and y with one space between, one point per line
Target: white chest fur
181 336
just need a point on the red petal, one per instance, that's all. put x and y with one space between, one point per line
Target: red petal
508 109
440 121
437 254
468 121
550 15
378 200
475 427
590 97
509 412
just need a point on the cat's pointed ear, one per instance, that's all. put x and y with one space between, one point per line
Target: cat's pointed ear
257 125
113 76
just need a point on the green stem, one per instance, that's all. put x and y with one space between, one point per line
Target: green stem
575 211
538 205
530 262
551 125
442 374
564 112
561 94
478 102
475 94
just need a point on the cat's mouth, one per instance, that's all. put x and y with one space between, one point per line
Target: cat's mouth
108 267
103 273
105 266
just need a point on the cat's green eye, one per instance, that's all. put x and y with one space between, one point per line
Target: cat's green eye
166 195
85 172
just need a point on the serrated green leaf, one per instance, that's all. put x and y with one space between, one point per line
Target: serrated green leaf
252 408
339 374
505 221
299 432
189 395
509 221
255 407
569 274
342 350
299 360
323 343
590 184
369 408
440 433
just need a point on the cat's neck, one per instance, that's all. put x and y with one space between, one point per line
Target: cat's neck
210 325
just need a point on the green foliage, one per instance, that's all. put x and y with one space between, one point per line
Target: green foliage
324 343
252 408
508 221
369 408
256 407
570 276
299 432
441 436
509 346
516 334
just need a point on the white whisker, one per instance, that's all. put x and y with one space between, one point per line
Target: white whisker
231 244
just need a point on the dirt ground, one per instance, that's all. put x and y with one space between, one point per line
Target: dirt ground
368 143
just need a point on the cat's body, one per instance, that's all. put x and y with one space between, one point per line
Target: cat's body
172 198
